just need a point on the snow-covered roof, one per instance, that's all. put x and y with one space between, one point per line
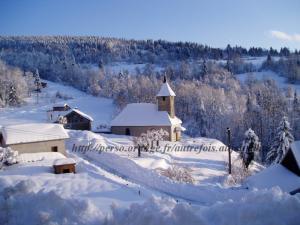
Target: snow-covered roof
33 132
295 147
166 90
64 161
39 156
275 175
80 113
60 105
144 114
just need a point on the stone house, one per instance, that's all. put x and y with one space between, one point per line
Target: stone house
137 118
33 138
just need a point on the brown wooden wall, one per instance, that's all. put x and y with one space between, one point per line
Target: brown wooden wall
77 122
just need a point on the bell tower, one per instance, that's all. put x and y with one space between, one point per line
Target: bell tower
166 99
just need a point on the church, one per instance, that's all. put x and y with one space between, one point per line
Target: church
138 118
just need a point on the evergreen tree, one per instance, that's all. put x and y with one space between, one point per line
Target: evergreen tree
204 70
295 102
37 81
13 99
281 143
250 148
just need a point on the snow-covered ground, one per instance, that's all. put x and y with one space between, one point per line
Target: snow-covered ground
264 75
120 188
101 109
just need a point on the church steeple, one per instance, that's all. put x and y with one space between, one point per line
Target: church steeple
165 98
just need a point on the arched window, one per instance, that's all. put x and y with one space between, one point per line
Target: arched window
164 98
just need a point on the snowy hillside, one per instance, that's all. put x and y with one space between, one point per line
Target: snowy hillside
117 187
281 82
101 109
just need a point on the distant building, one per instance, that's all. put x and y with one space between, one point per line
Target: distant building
33 138
137 118
77 120
61 107
57 111
71 118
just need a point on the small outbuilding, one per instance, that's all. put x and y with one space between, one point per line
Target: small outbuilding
66 165
35 137
77 120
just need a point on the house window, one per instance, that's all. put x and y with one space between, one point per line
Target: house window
127 131
54 148
164 98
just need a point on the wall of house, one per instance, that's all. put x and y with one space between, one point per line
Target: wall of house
43 146
138 130
176 135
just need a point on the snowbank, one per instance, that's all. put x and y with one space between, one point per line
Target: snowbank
20 204
253 208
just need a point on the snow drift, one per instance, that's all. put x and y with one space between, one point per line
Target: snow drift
21 204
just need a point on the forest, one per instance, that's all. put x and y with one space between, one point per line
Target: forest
209 96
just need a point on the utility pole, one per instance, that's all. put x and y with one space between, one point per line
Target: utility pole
229 149
37 83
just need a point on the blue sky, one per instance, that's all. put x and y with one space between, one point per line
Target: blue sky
248 23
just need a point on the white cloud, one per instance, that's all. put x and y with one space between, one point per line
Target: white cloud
285 36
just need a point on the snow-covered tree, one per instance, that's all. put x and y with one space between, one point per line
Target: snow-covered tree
7 156
250 147
146 140
204 69
37 81
13 98
177 173
281 142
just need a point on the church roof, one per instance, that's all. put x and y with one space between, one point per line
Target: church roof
144 114
165 90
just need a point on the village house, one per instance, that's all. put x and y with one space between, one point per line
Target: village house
34 138
285 174
137 118
77 120
291 160
70 118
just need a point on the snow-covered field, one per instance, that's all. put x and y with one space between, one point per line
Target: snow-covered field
264 75
120 188
101 109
